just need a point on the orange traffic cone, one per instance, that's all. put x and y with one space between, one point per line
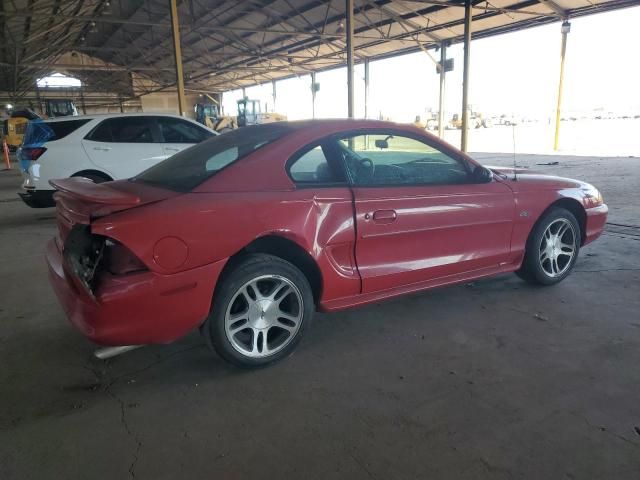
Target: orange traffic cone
5 150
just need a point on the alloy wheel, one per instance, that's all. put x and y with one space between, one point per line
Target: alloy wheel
263 316
557 247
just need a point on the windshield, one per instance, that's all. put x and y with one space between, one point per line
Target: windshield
189 168
210 110
60 108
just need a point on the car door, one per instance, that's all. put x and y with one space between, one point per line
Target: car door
178 134
324 203
124 146
419 215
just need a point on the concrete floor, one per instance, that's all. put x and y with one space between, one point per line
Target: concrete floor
494 379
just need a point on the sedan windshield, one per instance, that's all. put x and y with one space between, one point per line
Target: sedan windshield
189 168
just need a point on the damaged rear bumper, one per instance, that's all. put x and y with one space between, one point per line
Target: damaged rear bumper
138 308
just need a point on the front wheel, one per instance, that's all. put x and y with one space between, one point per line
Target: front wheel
260 311
552 248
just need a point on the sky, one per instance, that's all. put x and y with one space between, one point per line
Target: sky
515 73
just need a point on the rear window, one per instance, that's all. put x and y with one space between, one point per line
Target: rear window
38 131
189 168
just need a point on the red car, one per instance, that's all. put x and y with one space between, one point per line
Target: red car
246 234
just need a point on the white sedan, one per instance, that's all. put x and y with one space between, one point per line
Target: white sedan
99 147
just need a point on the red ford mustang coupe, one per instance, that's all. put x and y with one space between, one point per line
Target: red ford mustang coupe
246 234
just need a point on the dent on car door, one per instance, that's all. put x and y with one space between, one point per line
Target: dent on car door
124 146
179 134
418 217
321 186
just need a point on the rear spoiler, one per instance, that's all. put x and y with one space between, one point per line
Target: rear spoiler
79 188
79 200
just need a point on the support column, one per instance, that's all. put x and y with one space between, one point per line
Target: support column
82 104
366 88
175 28
443 58
566 28
39 108
465 75
349 5
273 94
366 98
313 94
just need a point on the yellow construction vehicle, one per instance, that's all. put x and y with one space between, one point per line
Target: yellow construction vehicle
429 122
249 113
208 114
476 120
59 107
13 128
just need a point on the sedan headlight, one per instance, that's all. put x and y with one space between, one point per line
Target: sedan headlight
593 197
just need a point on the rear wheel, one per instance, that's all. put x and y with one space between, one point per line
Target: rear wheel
260 311
552 248
95 177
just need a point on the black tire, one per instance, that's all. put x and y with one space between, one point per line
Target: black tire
532 269
243 271
95 177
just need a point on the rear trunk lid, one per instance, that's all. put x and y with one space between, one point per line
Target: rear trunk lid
79 200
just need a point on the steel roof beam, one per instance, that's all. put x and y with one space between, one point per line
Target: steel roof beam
555 7
485 6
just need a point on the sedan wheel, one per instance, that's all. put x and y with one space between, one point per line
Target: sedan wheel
264 316
261 307
557 247
552 248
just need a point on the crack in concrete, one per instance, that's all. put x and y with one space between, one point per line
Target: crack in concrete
361 465
608 432
608 270
621 235
125 424
105 385
490 468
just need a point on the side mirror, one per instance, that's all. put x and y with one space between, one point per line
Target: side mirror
381 143
482 175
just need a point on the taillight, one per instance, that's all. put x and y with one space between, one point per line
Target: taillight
32 153
120 260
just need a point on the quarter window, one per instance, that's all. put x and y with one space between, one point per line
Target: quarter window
175 130
390 159
312 167
192 166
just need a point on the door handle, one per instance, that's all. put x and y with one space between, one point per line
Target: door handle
172 149
102 149
384 216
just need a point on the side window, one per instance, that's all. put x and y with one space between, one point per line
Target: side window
175 130
390 159
221 159
102 133
124 130
312 167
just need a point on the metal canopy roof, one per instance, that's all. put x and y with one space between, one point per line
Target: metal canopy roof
111 45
